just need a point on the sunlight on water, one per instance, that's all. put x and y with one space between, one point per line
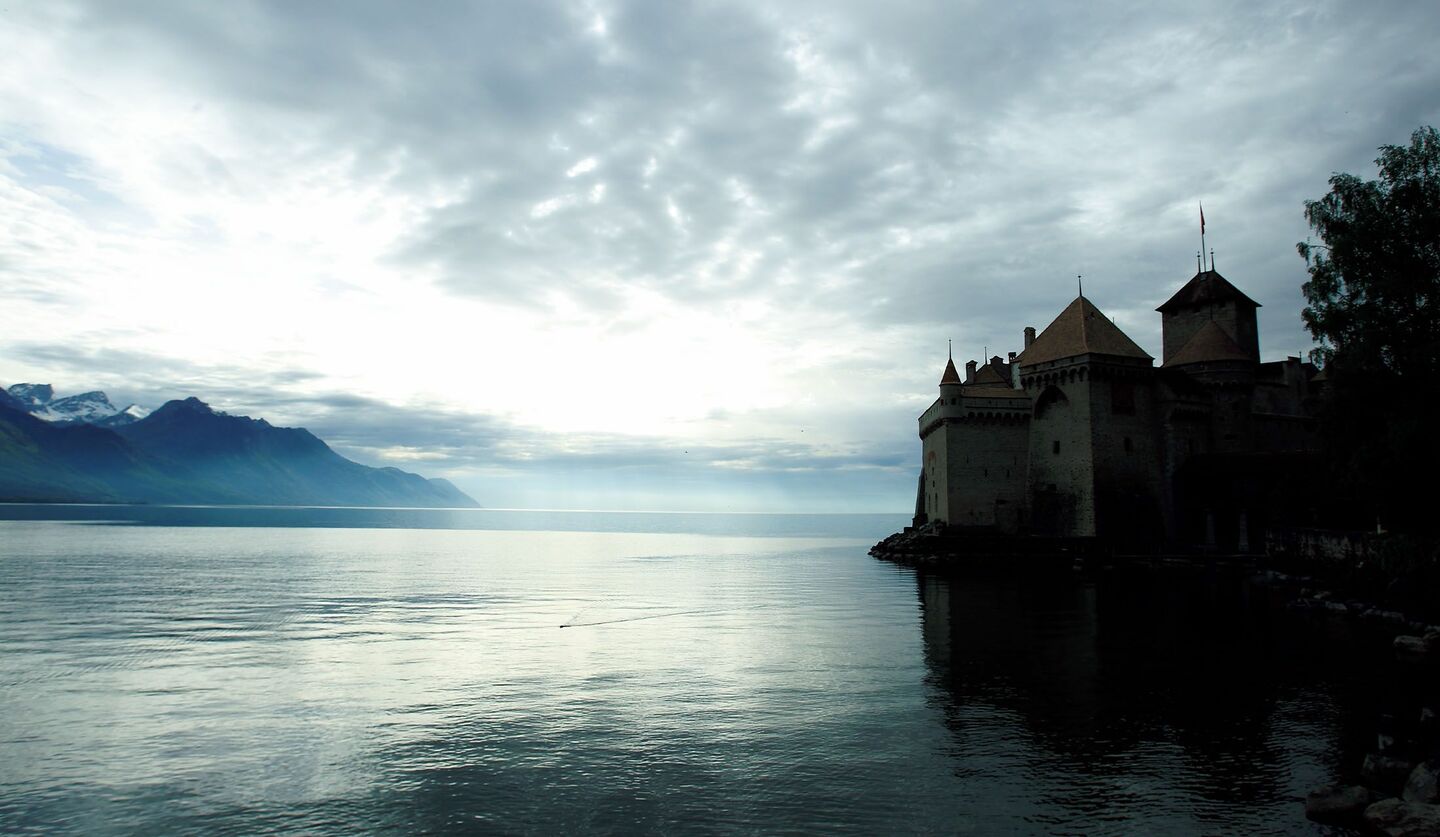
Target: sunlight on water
238 679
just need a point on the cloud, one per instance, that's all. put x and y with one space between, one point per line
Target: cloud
500 460
589 233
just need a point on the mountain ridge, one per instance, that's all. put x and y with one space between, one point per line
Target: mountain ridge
92 407
185 451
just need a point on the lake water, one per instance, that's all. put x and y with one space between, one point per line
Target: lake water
332 671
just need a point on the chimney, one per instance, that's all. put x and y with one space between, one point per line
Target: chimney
970 371
1012 358
1029 335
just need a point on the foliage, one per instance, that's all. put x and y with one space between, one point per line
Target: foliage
1372 301
1375 283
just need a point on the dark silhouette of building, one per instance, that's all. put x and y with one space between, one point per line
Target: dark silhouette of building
1081 435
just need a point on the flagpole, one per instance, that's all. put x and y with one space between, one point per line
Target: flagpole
1202 235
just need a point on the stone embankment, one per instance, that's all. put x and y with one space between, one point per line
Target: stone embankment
935 548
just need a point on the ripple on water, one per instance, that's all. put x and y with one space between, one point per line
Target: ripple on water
161 678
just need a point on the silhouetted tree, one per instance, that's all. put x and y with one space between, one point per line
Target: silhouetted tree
1374 309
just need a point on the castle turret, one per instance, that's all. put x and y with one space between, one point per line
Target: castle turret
950 375
1209 297
950 384
1214 360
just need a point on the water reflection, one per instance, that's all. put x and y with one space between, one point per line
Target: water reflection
1185 702
207 679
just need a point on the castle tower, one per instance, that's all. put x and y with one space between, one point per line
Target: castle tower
1209 297
973 449
1093 452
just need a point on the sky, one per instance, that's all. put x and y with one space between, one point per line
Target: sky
668 255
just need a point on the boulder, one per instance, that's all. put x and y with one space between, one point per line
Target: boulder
1335 803
1391 618
1424 783
1385 773
1398 818
1411 647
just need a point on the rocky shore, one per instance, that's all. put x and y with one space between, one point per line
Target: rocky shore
937 549
1397 786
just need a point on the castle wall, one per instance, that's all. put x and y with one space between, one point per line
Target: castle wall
935 453
987 458
1061 474
1127 453
1185 432
1231 429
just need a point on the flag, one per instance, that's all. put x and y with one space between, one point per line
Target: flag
1202 218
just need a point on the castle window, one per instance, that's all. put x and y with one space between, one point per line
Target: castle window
1129 446
1055 446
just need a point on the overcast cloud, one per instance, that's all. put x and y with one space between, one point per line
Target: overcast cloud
663 255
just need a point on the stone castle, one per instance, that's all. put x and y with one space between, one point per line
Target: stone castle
1081 435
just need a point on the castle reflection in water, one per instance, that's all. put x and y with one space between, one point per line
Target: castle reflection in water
1188 695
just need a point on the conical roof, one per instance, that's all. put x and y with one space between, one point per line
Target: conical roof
950 376
1080 329
1208 344
1204 288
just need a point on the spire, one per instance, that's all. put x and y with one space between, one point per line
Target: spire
951 376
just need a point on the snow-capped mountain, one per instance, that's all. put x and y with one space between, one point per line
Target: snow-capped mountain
185 452
129 415
86 408
33 396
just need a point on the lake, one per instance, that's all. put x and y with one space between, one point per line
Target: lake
332 671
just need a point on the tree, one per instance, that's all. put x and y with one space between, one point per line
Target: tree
1374 289
1374 310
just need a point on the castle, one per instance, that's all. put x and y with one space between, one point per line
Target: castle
1081 435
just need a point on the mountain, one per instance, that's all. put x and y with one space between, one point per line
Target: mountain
33 396
289 465
129 415
187 452
8 400
40 461
88 407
